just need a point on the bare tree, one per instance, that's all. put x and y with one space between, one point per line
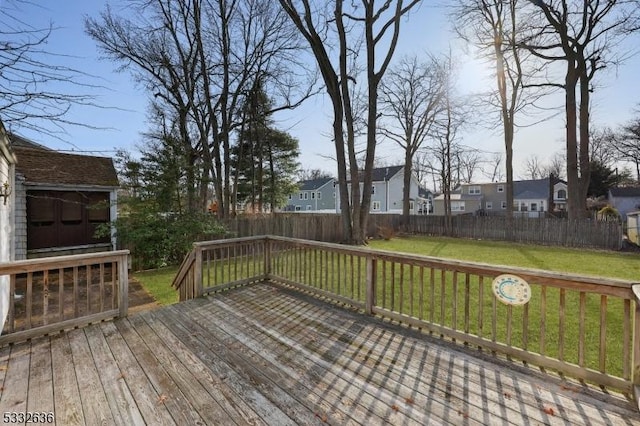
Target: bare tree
493 171
376 29
311 174
411 97
555 166
533 168
468 160
627 144
36 91
445 147
583 34
493 26
201 60
602 146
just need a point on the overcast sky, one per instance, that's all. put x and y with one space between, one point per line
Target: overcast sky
617 94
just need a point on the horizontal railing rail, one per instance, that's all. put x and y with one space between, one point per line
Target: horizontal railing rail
47 295
582 327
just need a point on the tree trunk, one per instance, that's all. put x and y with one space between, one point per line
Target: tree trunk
573 183
406 188
585 163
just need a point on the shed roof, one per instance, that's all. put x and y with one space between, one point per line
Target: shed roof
45 166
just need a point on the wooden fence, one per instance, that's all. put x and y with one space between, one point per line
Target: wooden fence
56 293
586 233
582 327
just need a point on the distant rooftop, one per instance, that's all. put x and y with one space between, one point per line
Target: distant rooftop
313 184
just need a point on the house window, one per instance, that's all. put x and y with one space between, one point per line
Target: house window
297 208
410 206
373 189
500 188
523 207
503 205
308 207
534 207
290 196
488 205
334 194
562 194
319 195
306 195
474 190
313 195
457 206
375 206
301 195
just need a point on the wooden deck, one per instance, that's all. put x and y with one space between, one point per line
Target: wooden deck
265 354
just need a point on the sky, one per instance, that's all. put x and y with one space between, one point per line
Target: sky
119 126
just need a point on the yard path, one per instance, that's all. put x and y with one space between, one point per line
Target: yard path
139 299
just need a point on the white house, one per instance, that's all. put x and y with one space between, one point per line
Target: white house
386 191
7 181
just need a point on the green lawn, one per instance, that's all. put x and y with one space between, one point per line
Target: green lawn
579 261
158 283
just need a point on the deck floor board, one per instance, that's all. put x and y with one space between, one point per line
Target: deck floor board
265 354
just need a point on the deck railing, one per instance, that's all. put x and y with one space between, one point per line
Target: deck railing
56 293
582 327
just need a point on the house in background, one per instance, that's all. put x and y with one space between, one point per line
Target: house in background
531 198
7 195
386 191
471 198
60 201
425 197
315 195
625 200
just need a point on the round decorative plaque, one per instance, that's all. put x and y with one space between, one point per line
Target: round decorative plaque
511 289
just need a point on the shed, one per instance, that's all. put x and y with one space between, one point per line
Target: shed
61 199
633 227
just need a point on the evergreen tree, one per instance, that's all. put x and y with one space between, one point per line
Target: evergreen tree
264 159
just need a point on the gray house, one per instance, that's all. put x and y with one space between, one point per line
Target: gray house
531 198
315 195
386 191
625 200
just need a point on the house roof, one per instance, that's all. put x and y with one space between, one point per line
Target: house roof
531 189
19 141
625 192
44 166
313 184
382 174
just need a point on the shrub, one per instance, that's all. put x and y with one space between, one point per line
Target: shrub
158 239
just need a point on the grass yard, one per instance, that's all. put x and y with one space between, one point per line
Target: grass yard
158 283
578 261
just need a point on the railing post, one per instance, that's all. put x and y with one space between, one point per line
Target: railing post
197 273
267 258
635 363
371 285
123 286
